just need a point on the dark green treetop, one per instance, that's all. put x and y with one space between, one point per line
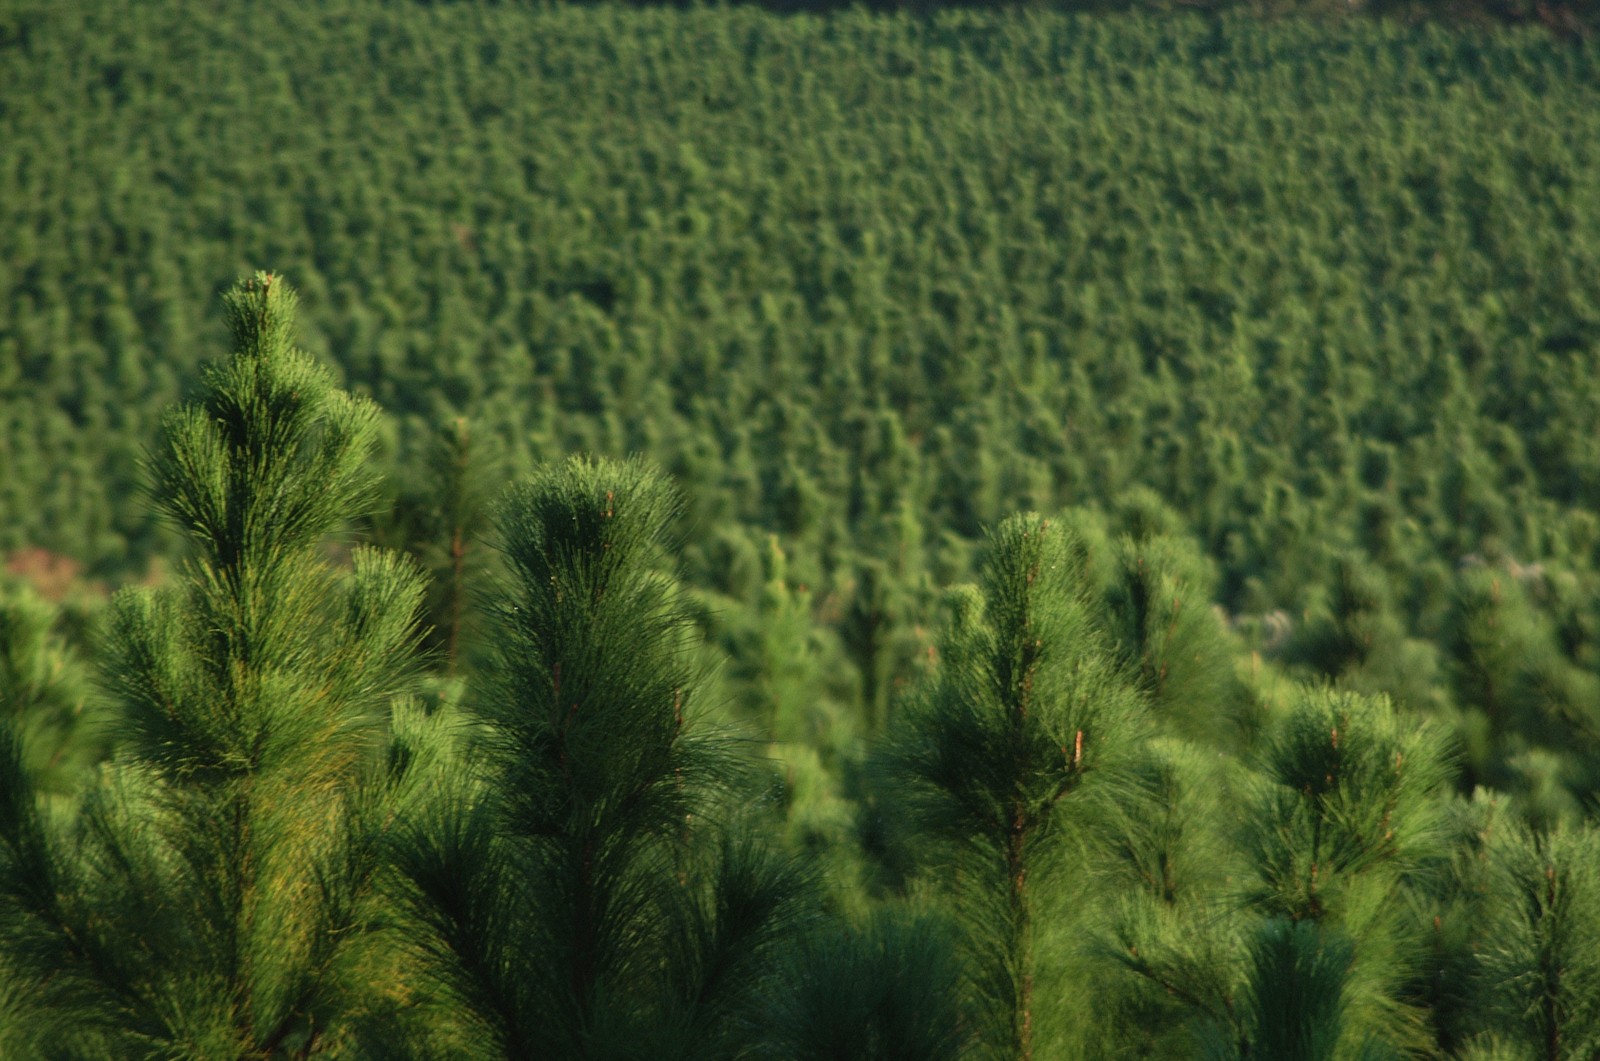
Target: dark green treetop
583 893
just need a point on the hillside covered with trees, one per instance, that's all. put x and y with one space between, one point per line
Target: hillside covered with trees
1087 545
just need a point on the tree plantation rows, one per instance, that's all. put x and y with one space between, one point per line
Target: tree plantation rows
982 534
1320 297
1080 836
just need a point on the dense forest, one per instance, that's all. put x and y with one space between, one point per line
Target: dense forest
1012 534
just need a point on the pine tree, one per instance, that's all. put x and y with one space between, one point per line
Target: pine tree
1014 758
44 689
1318 947
889 989
1295 1003
1357 638
1538 972
1349 829
202 902
802 685
438 518
1160 615
1170 923
1525 706
586 893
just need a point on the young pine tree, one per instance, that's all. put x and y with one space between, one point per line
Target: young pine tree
585 894
44 692
200 904
1014 759
1528 714
1537 975
888 989
438 517
1317 949
1160 615
1170 923
1349 832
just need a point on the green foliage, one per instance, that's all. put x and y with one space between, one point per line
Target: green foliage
1293 1004
1352 830
439 517
1318 286
1161 617
44 693
888 989
1531 705
1295 928
1175 860
1538 977
1353 792
1014 760
587 895
200 903
1290 320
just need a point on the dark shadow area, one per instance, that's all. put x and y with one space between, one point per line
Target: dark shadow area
1567 19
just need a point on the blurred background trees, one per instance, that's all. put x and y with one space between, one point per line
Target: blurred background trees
1287 324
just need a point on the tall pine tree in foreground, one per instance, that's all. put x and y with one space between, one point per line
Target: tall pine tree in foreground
586 892
201 903
1010 768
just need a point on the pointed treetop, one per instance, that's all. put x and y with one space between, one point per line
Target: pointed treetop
261 314
273 456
